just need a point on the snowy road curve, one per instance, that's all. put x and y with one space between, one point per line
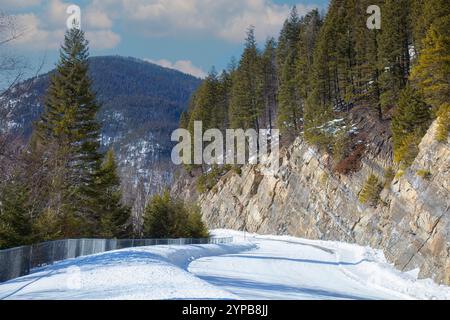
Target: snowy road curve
253 267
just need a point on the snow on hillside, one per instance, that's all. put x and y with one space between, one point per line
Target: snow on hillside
253 267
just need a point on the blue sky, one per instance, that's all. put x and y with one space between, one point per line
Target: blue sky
189 35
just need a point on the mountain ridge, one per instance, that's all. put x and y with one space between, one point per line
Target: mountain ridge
141 104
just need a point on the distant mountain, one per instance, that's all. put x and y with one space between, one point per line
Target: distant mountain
141 106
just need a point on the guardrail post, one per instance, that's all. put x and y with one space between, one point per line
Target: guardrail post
53 252
30 259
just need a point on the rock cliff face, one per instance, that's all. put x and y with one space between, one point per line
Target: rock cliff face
306 199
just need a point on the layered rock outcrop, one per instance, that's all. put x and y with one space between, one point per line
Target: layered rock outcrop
305 198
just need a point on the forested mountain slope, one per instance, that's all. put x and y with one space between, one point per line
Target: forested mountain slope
141 105
361 160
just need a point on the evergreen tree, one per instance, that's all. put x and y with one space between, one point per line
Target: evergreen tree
114 216
208 104
431 73
48 226
289 101
418 23
443 128
366 69
347 56
394 54
409 124
270 83
225 82
423 15
290 112
232 65
196 227
343 56
325 68
246 102
288 39
166 217
184 119
370 193
15 216
295 73
319 104
158 217
309 32
68 133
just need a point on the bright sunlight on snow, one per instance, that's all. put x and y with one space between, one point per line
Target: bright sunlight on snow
252 267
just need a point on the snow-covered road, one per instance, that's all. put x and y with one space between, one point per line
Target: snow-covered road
285 270
253 267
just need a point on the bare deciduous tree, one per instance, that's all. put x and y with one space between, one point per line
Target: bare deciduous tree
12 67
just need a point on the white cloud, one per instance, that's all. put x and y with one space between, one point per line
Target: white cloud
97 19
226 19
185 66
223 19
35 35
18 4
46 31
265 17
55 14
102 39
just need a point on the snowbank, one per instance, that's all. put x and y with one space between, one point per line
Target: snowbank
252 267
157 272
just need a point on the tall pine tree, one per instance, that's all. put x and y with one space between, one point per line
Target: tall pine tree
69 134
115 217
290 106
324 93
270 83
410 122
394 50
431 73
15 215
246 102
423 15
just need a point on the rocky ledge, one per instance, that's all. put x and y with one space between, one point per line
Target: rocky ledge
305 198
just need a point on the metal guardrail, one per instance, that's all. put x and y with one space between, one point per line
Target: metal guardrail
17 262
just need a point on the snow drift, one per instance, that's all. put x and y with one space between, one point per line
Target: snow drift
253 267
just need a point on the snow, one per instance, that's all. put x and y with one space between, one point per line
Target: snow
157 272
337 126
252 267
11 125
